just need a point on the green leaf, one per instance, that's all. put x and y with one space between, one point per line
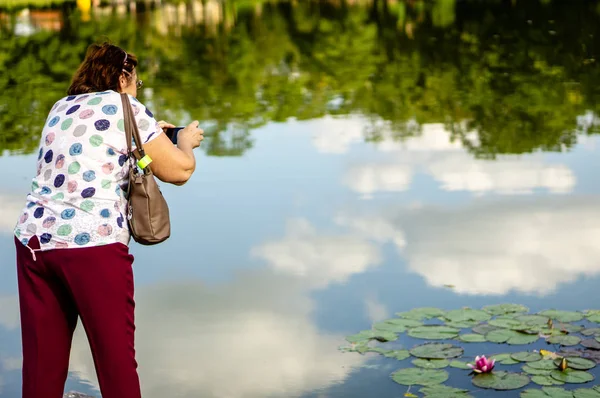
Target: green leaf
471 338
502 309
461 324
578 363
594 318
396 325
538 372
459 365
367 335
442 391
421 313
433 332
467 314
546 380
508 323
436 351
540 368
378 350
565 340
591 332
418 376
484 329
569 328
547 392
526 356
533 319
510 336
572 376
397 354
563 316
431 363
501 380
586 393
504 359
545 364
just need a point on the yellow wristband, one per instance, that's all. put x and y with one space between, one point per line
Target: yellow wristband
144 162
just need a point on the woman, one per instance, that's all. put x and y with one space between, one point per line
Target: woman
72 236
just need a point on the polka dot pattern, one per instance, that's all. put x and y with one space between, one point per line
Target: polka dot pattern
102 125
59 180
76 149
82 165
73 109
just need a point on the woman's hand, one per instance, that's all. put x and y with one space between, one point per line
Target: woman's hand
165 125
190 137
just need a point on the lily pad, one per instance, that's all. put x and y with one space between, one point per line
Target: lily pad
461 324
418 376
591 332
436 351
544 364
536 372
467 314
594 318
578 363
396 325
421 313
433 332
587 392
565 340
459 365
431 363
546 380
397 354
563 316
533 319
502 309
378 350
484 329
501 380
572 376
504 359
569 328
442 391
367 335
471 338
526 356
591 343
508 323
510 336
547 392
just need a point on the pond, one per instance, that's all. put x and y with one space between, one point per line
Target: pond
362 158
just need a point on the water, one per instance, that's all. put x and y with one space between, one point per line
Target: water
362 158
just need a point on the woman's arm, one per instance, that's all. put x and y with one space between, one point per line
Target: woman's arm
175 164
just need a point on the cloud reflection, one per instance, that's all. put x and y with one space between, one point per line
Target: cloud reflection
10 208
495 247
253 337
318 258
433 153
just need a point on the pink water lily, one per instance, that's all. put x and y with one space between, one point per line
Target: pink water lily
482 364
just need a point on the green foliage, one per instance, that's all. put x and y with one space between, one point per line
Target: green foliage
499 85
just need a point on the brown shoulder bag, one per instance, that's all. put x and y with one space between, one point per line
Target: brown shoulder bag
147 209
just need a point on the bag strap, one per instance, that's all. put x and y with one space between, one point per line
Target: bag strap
131 129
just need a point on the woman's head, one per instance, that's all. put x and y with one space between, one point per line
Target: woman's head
105 67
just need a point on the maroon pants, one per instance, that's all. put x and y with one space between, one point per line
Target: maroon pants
55 288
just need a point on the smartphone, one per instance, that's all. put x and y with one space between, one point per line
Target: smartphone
172 133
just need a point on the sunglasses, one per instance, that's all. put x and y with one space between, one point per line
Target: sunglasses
139 83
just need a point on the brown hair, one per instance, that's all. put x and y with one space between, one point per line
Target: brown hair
100 70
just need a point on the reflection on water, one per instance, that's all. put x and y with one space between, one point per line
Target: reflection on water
362 156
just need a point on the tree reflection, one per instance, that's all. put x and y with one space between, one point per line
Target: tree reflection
518 73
